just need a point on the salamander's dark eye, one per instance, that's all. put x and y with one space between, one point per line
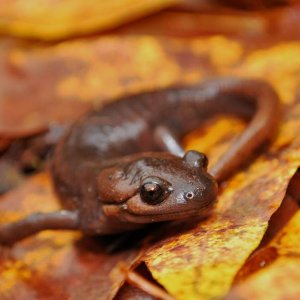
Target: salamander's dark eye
152 193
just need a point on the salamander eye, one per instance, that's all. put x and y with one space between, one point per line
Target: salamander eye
152 193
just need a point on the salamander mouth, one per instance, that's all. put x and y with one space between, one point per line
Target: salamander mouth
122 212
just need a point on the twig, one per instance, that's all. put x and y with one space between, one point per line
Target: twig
138 281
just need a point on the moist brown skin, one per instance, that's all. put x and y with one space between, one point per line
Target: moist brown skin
111 170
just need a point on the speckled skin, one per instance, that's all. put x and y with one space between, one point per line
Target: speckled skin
102 162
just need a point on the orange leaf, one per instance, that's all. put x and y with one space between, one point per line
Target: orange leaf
52 264
280 279
50 20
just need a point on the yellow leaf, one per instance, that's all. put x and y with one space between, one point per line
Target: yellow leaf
50 20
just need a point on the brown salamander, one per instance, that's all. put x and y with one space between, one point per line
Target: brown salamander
121 167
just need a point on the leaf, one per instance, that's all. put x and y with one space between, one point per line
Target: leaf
56 20
280 279
55 265
57 84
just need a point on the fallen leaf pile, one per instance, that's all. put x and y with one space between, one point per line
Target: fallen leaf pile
248 248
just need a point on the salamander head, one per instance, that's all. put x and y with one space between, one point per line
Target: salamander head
158 187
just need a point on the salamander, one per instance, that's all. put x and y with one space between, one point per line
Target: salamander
121 167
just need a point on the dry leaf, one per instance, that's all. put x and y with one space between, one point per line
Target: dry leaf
58 83
280 279
48 20
55 265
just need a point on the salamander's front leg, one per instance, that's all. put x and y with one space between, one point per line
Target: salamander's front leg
13 232
167 141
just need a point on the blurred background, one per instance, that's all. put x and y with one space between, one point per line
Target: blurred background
58 20
91 51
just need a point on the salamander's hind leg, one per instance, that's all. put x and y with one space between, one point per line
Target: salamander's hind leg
13 232
167 141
